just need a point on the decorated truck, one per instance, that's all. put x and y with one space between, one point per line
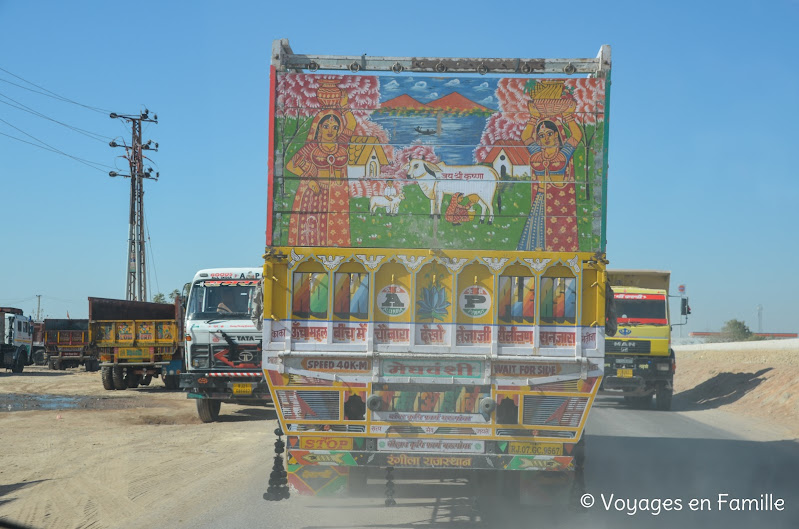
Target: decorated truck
223 345
66 344
136 341
434 276
639 361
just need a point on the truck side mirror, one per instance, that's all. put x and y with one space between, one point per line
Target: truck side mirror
685 309
611 318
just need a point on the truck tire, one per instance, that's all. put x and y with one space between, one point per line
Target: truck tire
357 481
171 381
663 399
39 357
19 363
642 403
60 365
51 364
108 379
146 380
118 376
208 409
132 379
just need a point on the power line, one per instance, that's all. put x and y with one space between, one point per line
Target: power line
50 148
151 254
25 108
50 93
56 151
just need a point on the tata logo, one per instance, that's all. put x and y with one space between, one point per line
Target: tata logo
625 331
246 356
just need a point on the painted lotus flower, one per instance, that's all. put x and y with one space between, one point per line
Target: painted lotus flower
433 304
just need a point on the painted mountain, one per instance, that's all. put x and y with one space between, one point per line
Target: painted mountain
453 102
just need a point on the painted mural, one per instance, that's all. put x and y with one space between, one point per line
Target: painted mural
451 163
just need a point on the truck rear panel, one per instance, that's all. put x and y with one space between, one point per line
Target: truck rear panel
434 293
66 341
135 332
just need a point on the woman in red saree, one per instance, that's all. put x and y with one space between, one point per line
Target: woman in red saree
321 212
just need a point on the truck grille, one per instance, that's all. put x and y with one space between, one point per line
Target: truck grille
244 356
554 411
628 346
309 405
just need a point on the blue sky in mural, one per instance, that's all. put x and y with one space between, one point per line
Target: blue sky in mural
703 178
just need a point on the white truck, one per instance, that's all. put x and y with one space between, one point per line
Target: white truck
16 330
223 343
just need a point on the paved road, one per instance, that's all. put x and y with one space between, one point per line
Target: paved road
635 459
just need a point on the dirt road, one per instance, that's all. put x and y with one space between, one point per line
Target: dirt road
133 458
141 458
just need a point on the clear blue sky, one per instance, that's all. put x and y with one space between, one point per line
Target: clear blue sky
703 166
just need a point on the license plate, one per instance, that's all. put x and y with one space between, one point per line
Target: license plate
536 449
130 352
624 373
242 389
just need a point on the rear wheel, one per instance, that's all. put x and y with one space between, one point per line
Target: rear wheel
51 363
19 364
132 379
118 376
108 379
208 409
357 480
170 381
146 380
39 357
663 399
643 403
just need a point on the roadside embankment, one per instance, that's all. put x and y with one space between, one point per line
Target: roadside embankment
758 379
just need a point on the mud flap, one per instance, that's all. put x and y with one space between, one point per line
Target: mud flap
318 480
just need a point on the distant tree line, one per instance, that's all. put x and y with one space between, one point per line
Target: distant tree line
161 298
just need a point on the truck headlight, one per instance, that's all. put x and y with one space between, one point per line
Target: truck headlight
199 357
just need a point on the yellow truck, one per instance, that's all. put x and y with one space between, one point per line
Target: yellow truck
434 278
136 341
639 361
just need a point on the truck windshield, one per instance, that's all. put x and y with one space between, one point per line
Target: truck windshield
641 309
229 300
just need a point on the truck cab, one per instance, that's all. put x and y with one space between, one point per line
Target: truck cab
223 345
16 330
639 361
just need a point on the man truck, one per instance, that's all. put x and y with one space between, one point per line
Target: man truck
470 342
223 346
639 361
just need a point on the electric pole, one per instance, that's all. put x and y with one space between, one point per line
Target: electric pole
38 307
759 318
136 265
